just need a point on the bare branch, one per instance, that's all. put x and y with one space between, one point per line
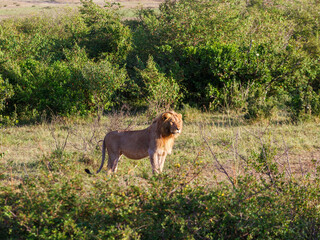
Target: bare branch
220 168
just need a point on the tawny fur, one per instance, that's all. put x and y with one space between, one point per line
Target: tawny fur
156 141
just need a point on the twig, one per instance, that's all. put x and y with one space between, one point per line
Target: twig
190 180
220 168
287 157
261 134
302 172
268 173
235 153
59 146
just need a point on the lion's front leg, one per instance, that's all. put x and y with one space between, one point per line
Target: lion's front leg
154 160
162 159
157 160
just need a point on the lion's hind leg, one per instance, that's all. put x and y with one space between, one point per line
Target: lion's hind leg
113 161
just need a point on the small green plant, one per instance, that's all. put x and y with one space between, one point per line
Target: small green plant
163 93
6 92
259 106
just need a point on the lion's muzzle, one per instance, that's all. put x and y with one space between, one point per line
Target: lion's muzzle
176 131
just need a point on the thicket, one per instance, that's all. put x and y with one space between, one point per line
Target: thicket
55 199
254 57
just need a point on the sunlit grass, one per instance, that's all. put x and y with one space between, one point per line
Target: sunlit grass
225 135
215 174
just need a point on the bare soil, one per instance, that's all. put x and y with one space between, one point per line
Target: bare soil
23 8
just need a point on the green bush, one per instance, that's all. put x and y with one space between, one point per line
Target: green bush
107 36
65 87
6 92
246 56
103 80
304 90
215 48
162 93
58 66
61 202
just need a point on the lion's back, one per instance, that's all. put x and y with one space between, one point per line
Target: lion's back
133 144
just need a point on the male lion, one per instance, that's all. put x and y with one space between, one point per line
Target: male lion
156 141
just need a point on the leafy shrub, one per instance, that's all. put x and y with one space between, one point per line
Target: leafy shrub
215 52
6 92
162 92
106 36
214 47
260 106
50 72
304 90
65 87
103 80
263 204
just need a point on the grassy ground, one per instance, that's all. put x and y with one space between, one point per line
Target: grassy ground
228 137
226 179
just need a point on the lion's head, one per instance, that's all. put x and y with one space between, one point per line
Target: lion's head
169 123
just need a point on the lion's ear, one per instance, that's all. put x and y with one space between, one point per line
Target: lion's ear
179 116
165 116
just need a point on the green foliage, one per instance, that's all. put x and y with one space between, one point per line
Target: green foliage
55 87
103 81
162 92
252 57
6 92
260 106
106 36
60 202
215 49
54 67
304 90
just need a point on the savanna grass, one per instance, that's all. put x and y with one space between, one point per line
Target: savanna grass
225 179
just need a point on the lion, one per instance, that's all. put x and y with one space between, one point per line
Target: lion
155 142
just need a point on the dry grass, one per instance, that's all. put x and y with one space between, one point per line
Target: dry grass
206 139
24 8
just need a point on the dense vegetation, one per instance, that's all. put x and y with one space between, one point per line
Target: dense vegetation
253 57
59 204
230 182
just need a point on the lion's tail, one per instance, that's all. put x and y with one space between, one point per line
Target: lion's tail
103 158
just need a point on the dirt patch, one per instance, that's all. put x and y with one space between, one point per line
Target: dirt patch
23 8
